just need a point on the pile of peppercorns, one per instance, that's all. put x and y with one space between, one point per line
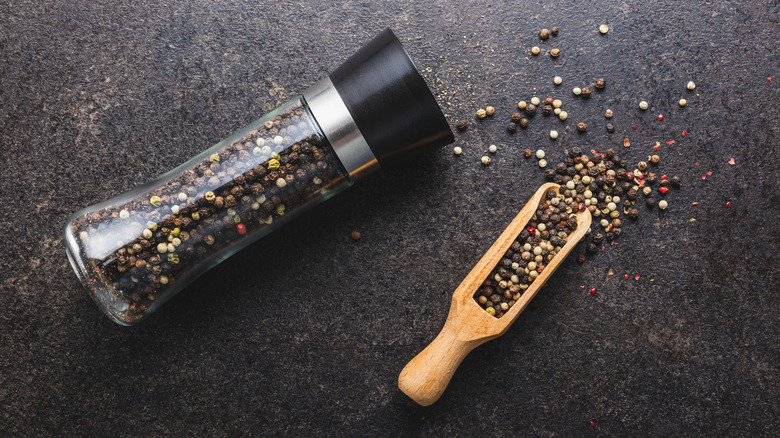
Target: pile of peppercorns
135 251
601 184
536 245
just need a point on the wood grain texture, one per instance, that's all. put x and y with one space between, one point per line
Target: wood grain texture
425 377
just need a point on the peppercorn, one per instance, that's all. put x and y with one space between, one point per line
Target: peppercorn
676 182
603 29
643 105
651 178
547 110
481 113
530 109
582 127
462 125
356 235
528 153
586 92
610 128
516 117
655 159
524 123
511 127
642 166
633 213
650 202
549 101
489 111
555 31
544 34
663 204
663 183
581 258
555 52
600 84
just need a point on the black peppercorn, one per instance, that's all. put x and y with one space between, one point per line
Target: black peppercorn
544 34
530 109
547 110
676 182
523 123
610 128
555 31
516 117
462 125
633 213
582 127
592 247
586 92
511 127
600 84
650 202
575 152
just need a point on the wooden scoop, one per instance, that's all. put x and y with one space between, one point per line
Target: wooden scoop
468 325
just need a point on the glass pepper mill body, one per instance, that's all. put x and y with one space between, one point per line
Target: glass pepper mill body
139 249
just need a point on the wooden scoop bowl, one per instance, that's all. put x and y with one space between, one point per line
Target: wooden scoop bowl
468 325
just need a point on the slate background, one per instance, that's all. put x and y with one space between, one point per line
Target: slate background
305 333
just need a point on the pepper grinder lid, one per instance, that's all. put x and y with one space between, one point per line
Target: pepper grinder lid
390 102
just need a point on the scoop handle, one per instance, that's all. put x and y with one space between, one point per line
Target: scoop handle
425 377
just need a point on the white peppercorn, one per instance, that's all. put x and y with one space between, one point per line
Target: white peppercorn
603 29
542 163
662 204
553 134
643 105
690 86
683 102
540 154
492 149
535 50
557 80
457 150
535 101
563 115
485 160
577 91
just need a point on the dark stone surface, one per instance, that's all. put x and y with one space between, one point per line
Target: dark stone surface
305 332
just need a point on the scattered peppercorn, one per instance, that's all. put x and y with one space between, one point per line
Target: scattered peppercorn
356 235
527 153
676 182
603 29
481 113
524 123
535 50
516 117
655 159
485 160
555 31
489 111
511 127
576 91
683 102
643 105
601 83
555 53
610 128
462 125
547 110
650 202
553 134
457 150
582 127
691 85
633 213
586 92
557 80
608 113
530 109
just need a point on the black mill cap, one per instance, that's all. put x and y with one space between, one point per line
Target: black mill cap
390 101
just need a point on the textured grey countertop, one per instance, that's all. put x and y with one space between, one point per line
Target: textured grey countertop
305 332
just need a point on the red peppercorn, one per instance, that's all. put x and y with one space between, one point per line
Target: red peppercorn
660 117
531 230
663 190
241 228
